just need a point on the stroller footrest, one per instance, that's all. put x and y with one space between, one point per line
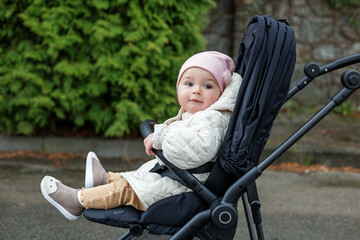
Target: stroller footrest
123 216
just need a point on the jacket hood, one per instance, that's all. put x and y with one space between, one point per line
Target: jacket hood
227 100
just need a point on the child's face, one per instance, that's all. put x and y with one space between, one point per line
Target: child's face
197 90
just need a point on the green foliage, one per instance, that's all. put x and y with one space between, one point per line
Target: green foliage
346 108
292 108
249 8
309 159
106 65
350 8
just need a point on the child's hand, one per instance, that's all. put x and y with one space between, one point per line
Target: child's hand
148 143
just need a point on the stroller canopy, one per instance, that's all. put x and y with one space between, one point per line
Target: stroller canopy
268 45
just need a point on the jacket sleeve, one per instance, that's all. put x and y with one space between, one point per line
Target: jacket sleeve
193 144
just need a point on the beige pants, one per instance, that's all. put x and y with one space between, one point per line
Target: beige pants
116 193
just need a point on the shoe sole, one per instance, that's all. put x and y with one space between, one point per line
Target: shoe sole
55 204
89 178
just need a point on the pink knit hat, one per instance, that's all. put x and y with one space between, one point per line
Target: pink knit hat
218 64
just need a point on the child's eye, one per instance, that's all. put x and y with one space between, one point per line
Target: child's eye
189 84
208 86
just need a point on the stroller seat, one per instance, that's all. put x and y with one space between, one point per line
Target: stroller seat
266 60
151 219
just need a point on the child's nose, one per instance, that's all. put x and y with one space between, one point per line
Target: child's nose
197 90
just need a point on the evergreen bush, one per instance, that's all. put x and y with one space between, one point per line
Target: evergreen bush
104 65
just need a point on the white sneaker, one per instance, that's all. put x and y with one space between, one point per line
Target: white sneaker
62 197
95 174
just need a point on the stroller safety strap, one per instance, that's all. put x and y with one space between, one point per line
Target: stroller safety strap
164 171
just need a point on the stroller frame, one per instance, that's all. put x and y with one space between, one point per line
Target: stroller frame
350 80
220 219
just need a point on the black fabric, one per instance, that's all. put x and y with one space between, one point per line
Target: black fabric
179 206
219 180
206 167
164 171
266 61
156 218
123 216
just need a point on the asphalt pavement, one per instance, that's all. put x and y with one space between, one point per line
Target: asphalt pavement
320 205
313 205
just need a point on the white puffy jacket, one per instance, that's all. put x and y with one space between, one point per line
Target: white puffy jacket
188 141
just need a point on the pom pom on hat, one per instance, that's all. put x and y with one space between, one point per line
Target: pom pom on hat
221 66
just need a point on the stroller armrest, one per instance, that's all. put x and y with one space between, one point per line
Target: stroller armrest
147 127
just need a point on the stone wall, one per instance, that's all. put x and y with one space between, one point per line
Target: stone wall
323 34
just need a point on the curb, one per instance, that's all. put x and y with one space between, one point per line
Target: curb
134 149
335 142
109 148
327 157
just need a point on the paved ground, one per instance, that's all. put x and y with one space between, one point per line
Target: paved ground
322 205
295 206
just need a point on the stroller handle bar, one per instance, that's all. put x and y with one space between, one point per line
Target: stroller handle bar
351 82
312 70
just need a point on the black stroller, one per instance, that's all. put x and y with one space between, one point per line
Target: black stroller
266 60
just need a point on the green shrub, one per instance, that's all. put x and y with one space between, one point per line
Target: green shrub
105 65
350 9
